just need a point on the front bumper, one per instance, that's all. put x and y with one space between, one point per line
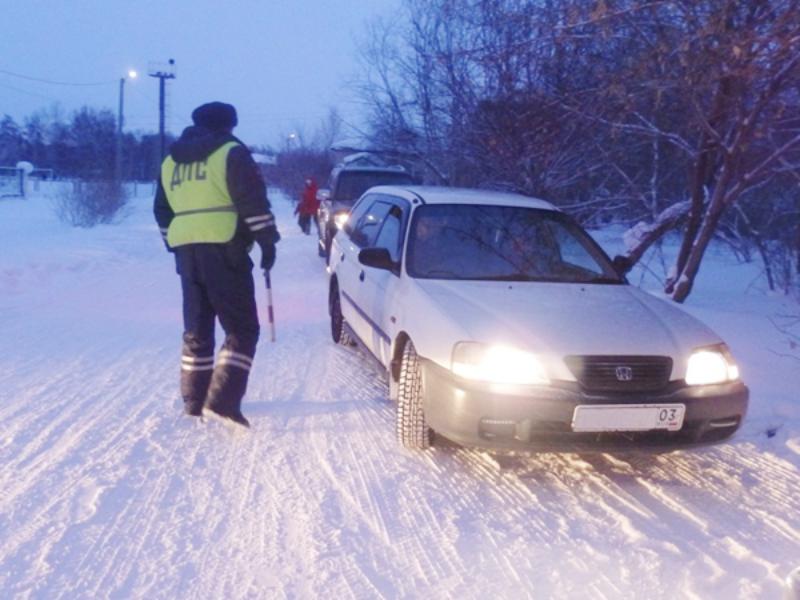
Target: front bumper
540 417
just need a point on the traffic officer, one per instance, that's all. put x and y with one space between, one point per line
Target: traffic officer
211 205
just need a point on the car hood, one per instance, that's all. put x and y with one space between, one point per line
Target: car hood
559 319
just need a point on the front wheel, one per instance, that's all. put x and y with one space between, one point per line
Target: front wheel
338 332
411 426
328 244
320 239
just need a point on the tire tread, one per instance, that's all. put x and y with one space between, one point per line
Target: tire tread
338 331
411 426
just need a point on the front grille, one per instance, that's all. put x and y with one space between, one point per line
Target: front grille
621 373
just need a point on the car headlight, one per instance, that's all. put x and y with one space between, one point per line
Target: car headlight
711 365
341 218
497 364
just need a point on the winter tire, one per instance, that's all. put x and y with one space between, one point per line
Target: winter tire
338 332
411 426
328 244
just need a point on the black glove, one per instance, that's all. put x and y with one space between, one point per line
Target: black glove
267 256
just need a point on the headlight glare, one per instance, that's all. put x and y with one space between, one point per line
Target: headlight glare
340 219
708 366
733 372
497 364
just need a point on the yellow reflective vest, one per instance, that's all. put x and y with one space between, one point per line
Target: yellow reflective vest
198 195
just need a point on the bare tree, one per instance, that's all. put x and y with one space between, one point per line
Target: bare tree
727 72
662 112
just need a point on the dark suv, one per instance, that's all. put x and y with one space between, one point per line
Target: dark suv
347 183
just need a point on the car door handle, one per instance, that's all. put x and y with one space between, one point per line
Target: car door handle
361 276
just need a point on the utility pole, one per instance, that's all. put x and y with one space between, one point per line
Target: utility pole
162 72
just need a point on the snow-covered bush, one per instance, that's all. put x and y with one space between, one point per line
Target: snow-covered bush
90 203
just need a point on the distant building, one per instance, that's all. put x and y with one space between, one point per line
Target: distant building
269 160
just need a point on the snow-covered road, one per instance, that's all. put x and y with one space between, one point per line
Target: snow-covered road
107 491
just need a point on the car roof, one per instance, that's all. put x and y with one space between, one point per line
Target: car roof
452 195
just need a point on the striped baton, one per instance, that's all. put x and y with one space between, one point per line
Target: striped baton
270 313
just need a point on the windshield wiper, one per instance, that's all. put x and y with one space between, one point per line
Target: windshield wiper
508 277
545 279
602 279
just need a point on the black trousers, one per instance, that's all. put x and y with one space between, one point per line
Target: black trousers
217 283
305 223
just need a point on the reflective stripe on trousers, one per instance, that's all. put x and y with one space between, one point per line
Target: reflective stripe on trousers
217 283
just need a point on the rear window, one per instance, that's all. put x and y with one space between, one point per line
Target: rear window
352 184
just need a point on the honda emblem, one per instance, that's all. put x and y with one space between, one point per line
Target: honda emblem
624 374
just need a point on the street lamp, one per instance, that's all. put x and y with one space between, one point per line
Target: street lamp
118 158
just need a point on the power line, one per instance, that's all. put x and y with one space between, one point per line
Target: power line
11 87
139 92
50 81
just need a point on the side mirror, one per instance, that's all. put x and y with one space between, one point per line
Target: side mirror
378 258
622 264
323 194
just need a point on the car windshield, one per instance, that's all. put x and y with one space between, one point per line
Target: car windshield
352 184
503 243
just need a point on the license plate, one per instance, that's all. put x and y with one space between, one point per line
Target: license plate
628 417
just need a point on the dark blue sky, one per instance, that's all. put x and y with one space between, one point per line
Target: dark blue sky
283 64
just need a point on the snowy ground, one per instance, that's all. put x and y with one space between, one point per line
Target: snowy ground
106 491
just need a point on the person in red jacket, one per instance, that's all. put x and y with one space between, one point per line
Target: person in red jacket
306 209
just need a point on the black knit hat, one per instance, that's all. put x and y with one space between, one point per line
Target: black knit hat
215 115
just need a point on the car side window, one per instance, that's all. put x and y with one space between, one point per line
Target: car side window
358 211
572 253
368 225
389 235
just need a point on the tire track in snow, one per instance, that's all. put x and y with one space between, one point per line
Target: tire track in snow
65 437
676 486
104 449
331 437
